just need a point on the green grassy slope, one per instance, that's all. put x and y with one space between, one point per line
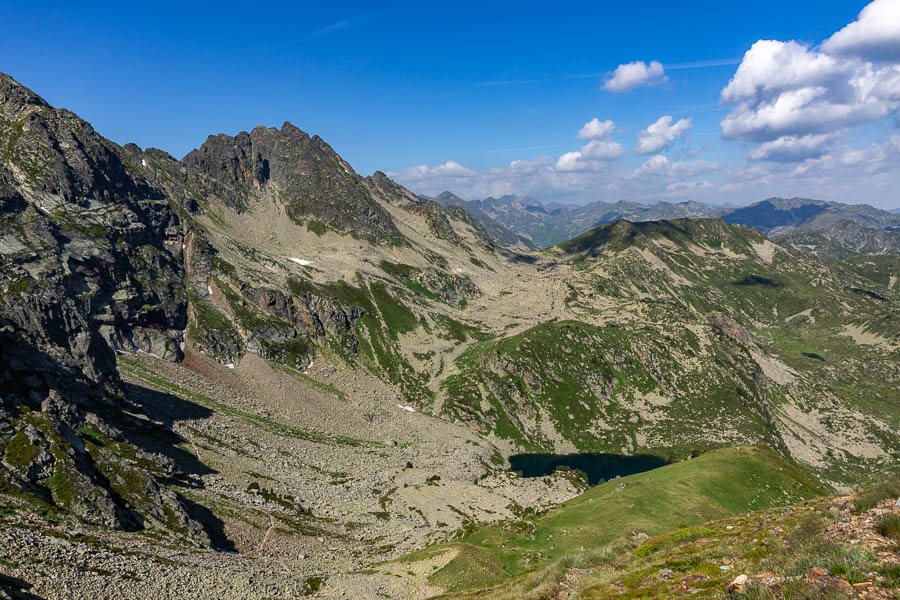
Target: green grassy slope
712 486
612 388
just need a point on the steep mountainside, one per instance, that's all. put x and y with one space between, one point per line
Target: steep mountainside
90 261
255 349
677 327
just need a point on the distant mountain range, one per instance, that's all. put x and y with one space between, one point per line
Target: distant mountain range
548 225
842 240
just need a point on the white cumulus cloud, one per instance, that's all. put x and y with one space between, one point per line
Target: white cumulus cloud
874 34
789 148
447 169
791 90
628 76
600 148
661 134
596 129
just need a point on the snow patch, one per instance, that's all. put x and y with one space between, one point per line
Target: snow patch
230 365
406 408
143 162
209 290
300 261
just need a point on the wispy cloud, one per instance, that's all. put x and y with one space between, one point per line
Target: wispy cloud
508 82
699 108
703 64
328 29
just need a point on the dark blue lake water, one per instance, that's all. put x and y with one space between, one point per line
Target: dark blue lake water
598 467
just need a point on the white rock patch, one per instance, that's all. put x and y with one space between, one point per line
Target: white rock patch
406 408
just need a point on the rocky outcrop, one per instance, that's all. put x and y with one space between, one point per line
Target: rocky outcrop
90 264
729 327
302 172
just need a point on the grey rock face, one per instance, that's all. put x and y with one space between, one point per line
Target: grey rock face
90 263
304 172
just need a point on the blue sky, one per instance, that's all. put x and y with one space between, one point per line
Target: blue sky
489 98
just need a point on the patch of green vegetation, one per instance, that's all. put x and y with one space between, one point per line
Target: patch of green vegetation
223 266
457 331
872 494
20 285
62 484
385 499
313 584
407 275
396 316
249 317
317 227
96 439
296 351
679 536
47 511
209 317
20 452
889 526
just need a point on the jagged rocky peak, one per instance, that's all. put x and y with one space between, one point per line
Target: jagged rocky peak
447 197
90 262
53 152
302 171
391 190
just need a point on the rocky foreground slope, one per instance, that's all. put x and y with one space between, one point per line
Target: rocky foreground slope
255 349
